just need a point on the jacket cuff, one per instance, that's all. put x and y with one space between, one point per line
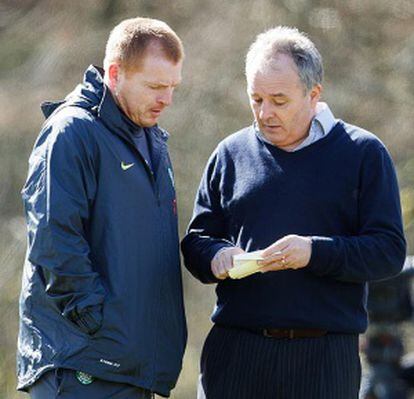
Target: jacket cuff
321 257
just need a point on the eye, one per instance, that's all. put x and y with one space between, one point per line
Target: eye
279 102
257 100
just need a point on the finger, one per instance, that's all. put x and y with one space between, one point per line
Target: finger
223 266
273 267
272 258
280 264
225 260
286 262
228 258
214 266
219 274
238 251
216 269
295 264
278 246
215 263
278 256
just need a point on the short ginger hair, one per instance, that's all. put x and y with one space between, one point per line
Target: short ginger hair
129 40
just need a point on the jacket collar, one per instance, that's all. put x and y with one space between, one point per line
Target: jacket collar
94 95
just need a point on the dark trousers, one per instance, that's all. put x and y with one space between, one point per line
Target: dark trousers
242 364
63 384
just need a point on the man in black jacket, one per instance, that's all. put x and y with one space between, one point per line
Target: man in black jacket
318 200
101 305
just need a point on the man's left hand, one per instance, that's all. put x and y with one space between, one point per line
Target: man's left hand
290 252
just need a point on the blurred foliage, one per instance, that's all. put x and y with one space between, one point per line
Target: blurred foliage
45 45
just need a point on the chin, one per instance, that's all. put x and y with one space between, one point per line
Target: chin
145 122
274 135
148 124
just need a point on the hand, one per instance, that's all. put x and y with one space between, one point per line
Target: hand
223 261
290 252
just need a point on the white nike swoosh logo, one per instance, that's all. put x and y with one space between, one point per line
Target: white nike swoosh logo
126 166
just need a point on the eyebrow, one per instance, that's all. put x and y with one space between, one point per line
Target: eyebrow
271 95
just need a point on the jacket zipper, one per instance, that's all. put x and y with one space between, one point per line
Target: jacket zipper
150 173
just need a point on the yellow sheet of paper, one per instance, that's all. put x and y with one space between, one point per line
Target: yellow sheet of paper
245 264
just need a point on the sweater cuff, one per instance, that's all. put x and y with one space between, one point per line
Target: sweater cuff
321 257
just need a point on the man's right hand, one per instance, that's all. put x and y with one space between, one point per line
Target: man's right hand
223 261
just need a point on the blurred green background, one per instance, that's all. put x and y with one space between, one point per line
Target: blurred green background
45 46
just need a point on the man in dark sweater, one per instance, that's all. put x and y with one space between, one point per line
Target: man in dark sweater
320 198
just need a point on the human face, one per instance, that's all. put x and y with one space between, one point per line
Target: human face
282 109
144 94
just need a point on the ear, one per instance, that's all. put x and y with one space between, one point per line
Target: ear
113 75
315 94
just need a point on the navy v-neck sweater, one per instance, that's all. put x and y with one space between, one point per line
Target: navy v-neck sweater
341 190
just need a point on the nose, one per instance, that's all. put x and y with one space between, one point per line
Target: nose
266 110
166 97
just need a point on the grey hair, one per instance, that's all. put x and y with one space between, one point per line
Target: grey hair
291 42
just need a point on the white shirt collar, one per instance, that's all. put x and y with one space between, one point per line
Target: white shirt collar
325 117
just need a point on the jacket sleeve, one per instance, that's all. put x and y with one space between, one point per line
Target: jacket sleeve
207 233
378 250
57 197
